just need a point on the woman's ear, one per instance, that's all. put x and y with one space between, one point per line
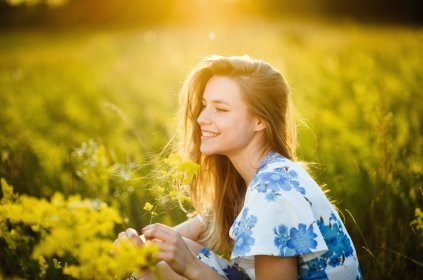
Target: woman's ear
260 125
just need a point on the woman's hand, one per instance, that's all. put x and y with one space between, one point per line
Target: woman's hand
129 234
173 249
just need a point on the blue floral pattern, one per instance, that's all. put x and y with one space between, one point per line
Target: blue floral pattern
222 266
286 214
297 242
271 183
338 242
339 249
314 269
235 272
302 240
204 251
243 233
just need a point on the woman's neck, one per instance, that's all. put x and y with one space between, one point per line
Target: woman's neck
247 161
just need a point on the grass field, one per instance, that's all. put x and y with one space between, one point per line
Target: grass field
357 91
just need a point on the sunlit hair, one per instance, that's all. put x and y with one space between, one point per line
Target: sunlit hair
218 189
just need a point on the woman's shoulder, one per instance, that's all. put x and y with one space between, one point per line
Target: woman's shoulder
279 178
274 162
277 173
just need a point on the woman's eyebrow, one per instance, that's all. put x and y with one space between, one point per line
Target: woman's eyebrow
217 101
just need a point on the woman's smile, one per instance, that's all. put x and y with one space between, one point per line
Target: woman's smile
208 134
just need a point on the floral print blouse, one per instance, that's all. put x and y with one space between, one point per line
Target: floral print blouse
286 214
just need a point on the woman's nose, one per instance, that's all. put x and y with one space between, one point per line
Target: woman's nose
204 117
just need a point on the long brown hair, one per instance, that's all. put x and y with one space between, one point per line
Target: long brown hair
217 190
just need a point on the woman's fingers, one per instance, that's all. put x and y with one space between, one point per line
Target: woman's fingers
172 248
134 237
131 235
158 226
131 231
121 236
161 232
163 246
168 253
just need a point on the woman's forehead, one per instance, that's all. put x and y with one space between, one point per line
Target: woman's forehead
222 89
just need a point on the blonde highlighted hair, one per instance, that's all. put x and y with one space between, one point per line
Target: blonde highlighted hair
218 190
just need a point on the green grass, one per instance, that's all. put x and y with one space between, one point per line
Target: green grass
357 91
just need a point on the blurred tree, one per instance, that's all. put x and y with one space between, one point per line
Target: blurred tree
409 11
51 3
82 12
113 12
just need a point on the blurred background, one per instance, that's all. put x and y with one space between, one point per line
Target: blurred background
88 94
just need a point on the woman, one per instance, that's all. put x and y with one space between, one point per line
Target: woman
253 201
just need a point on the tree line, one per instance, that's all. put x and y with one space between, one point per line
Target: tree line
98 12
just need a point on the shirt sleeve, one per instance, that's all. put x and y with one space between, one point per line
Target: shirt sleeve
277 222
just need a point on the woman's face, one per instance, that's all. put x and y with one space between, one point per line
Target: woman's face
227 128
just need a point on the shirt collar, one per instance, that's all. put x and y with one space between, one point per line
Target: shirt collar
266 160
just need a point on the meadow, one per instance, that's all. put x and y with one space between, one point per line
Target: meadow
88 111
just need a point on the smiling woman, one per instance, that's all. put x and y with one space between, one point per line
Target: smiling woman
226 125
254 202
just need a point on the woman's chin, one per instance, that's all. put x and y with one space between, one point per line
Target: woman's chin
206 152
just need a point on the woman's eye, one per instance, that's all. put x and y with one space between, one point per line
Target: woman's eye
221 109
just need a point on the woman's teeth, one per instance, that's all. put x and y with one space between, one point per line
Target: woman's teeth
208 134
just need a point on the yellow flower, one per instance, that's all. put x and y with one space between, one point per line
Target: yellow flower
75 227
148 207
43 266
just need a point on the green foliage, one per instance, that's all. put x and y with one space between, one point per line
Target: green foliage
84 113
172 184
67 237
98 176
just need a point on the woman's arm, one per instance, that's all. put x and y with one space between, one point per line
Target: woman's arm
270 267
190 229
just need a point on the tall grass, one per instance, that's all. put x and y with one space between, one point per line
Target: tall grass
357 90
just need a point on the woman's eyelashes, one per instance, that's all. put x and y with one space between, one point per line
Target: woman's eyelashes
221 109
215 108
